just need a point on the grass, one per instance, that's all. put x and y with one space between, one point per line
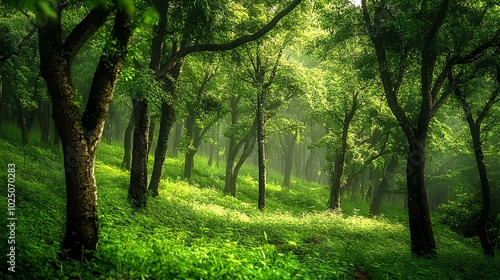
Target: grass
193 231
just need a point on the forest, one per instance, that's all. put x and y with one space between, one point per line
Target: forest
237 139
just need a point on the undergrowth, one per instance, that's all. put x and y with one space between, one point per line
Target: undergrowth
193 231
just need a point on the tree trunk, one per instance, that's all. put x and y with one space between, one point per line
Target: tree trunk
81 199
44 120
482 229
384 184
336 184
190 149
231 157
166 122
24 127
421 234
177 138
127 142
138 189
261 147
80 134
152 126
475 131
290 142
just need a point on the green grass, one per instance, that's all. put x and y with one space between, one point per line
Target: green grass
193 231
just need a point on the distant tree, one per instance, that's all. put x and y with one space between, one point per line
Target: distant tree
203 108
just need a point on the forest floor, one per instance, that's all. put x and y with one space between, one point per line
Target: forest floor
193 231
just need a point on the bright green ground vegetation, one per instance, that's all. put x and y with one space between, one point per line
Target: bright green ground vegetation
193 231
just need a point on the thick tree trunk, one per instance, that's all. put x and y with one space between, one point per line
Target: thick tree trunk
384 184
127 142
289 153
166 122
138 189
421 234
261 147
81 199
44 120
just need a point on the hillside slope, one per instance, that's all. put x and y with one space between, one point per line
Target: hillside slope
193 231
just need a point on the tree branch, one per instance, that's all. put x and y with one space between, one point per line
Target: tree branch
230 45
84 30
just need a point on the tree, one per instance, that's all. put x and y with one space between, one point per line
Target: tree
396 34
80 133
475 132
203 108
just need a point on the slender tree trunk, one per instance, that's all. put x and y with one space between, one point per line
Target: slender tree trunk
138 190
336 184
211 151
166 122
475 131
231 157
177 138
290 142
247 151
24 127
127 142
44 120
261 147
384 184
190 149
482 229
152 126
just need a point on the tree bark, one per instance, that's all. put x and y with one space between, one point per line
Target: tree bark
138 189
127 142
